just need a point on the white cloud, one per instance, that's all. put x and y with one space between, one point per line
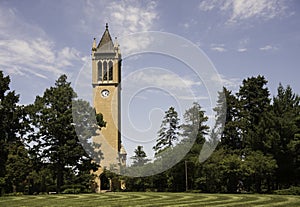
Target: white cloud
265 9
20 55
67 56
163 79
133 17
27 50
12 26
242 50
218 47
178 95
37 57
131 44
209 5
124 18
268 47
188 24
245 9
192 98
242 45
230 83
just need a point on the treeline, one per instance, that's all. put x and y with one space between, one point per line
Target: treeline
259 148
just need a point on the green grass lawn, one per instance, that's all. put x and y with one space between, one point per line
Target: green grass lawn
150 199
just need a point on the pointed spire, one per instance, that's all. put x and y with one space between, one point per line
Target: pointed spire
94 47
116 43
106 43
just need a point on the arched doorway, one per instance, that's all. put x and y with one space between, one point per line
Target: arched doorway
104 182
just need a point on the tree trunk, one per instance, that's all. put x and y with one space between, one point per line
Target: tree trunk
59 179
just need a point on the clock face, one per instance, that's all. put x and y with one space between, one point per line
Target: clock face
105 93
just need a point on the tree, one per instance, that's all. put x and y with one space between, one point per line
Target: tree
55 141
10 124
139 158
294 146
18 167
259 170
187 150
169 131
254 101
194 130
286 110
229 119
86 123
231 171
211 178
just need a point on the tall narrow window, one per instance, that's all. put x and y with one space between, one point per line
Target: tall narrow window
110 73
104 70
99 71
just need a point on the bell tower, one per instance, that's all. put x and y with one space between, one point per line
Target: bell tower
106 79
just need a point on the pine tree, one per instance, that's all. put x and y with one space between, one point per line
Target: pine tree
227 116
285 145
194 130
169 131
139 158
254 102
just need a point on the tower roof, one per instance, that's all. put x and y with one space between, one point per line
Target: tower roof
106 43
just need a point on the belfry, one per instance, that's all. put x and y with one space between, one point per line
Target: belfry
106 79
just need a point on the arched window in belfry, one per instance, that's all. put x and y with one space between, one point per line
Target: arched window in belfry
104 70
110 74
99 71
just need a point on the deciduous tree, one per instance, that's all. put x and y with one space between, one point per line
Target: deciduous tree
10 123
55 140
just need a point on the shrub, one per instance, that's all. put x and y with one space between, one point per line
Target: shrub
72 191
294 190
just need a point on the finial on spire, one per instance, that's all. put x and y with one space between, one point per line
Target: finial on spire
116 43
106 25
94 45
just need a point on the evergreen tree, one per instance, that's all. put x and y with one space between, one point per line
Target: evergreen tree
139 158
169 131
231 136
294 146
194 131
254 102
286 109
194 128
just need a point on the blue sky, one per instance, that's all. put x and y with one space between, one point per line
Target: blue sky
40 40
